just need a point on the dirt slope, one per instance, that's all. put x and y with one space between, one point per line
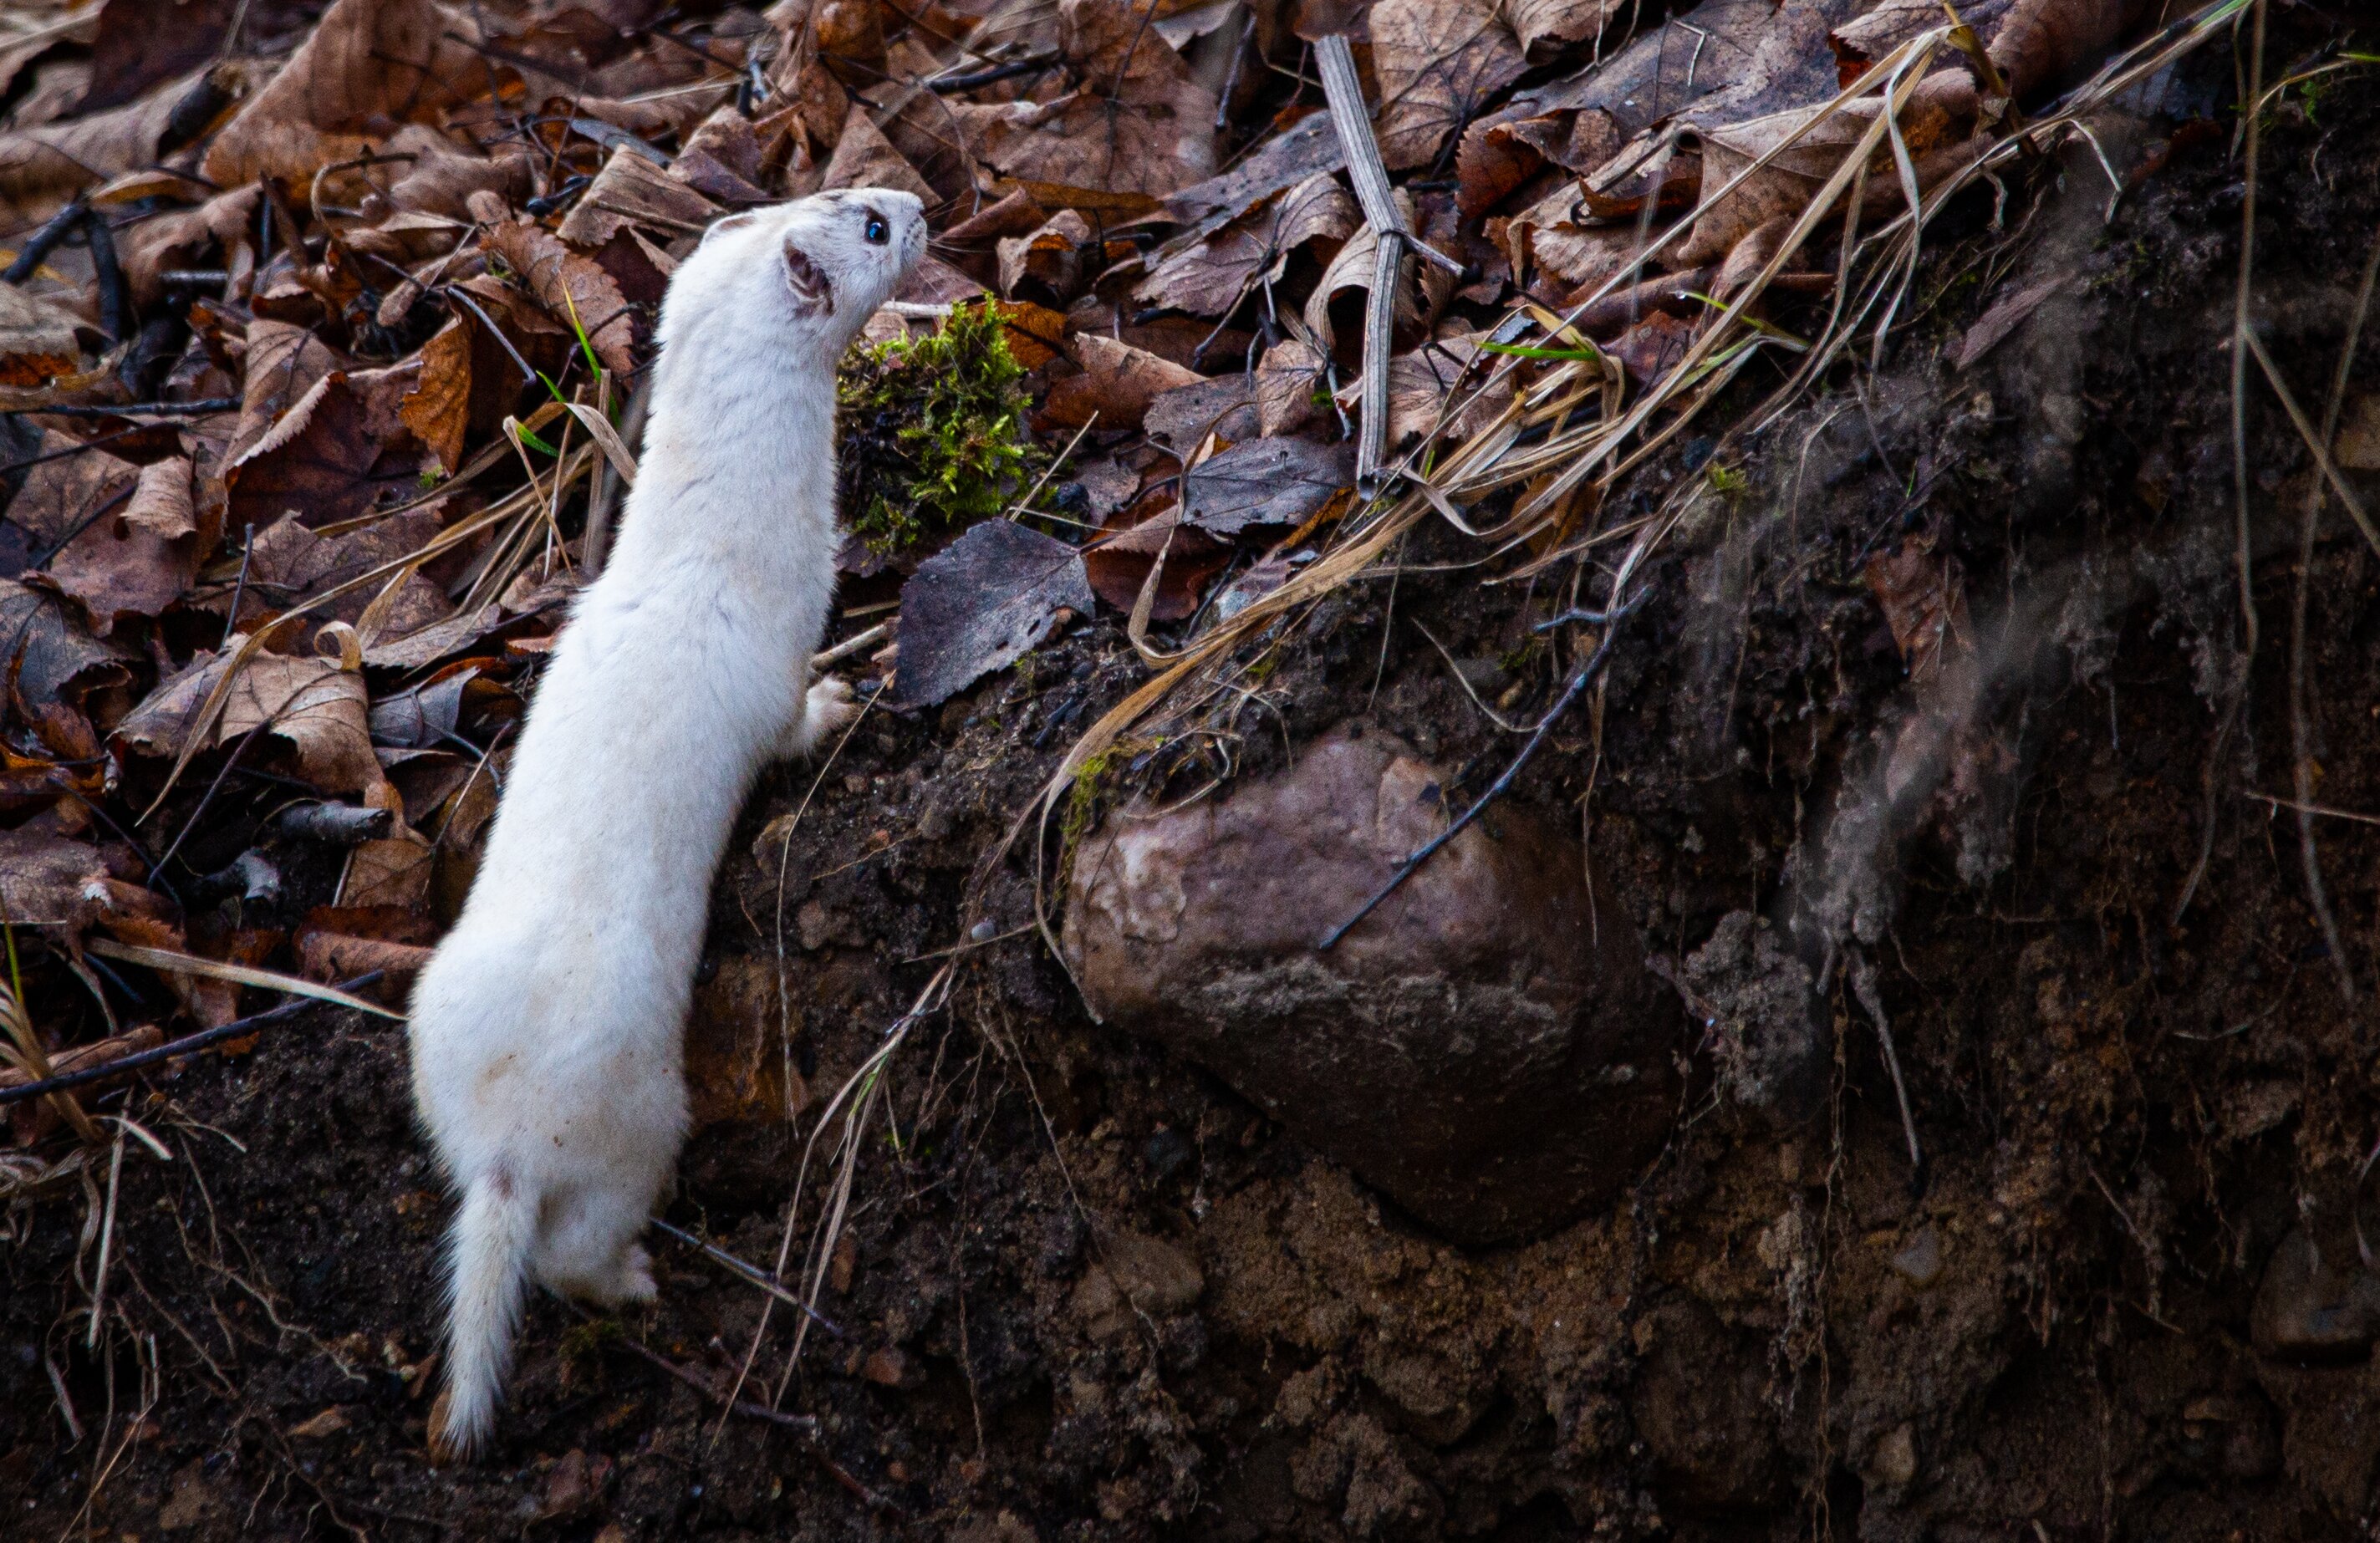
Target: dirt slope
1090 1294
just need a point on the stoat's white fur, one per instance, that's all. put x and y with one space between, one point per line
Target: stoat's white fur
546 1034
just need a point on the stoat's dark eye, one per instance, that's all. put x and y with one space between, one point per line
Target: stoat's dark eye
877 231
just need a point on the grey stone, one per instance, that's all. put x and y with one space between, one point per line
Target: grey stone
1487 1047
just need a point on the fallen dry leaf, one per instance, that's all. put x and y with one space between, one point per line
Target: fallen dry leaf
979 603
2007 314
289 565
1179 420
331 455
1288 378
367 61
41 168
1924 597
54 660
319 710
1138 121
865 158
1266 482
1546 27
37 342
632 190
1440 61
1051 259
47 881
138 561
1210 277
1182 560
574 290
62 494
1116 387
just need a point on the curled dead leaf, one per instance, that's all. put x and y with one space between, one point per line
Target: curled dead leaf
574 290
138 561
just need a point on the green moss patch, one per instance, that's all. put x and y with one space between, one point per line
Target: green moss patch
932 431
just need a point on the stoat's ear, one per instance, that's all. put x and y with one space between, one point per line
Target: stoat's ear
733 221
813 296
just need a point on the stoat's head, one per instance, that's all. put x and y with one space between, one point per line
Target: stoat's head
816 268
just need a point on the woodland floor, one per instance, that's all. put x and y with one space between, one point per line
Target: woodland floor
2137 1070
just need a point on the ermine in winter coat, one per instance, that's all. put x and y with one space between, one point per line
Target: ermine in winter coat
547 1063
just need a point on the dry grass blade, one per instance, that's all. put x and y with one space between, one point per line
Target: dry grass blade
2313 441
166 959
24 1050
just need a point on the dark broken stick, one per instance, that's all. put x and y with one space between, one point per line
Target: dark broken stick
754 1275
114 296
803 1427
43 242
1336 62
1579 682
189 1044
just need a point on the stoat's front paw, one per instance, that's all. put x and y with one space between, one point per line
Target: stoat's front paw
827 710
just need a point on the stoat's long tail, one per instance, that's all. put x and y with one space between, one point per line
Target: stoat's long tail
488 1265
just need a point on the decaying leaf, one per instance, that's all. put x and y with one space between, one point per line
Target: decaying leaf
574 291
1924 595
41 168
1439 62
1164 560
1210 277
1266 482
367 61
47 881
979 603
865 158
1139 122
331 455
631 190
1544 27
1288 378
1116 387
319 709
37 343
137 560
1051 258
53 658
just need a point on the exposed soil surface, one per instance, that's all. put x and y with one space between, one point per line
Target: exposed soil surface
1087 1291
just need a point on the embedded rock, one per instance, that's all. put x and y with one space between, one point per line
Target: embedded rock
1486 1046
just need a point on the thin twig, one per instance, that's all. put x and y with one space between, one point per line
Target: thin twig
155 409
189 1044
1578 684
752 1273
1864 988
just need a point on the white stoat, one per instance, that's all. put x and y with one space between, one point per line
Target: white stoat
546 1034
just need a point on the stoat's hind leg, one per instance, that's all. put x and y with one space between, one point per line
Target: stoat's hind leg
590 1251
827 708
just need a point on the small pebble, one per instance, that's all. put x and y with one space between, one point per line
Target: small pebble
1921 1258
982 932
